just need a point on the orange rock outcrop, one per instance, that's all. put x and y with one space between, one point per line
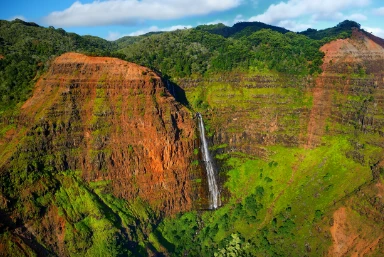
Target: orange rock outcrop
115 121
353 67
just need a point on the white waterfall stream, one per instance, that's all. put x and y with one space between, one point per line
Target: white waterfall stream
214 194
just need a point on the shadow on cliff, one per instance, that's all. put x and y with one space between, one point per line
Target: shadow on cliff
19 233
176 91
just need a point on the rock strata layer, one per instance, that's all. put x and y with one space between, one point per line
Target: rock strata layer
110 120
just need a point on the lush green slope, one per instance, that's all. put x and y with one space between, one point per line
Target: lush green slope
202 51
342 27
85 218
26 49
128 40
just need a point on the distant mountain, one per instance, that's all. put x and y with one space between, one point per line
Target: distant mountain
218 48
239 29
127 40
343 27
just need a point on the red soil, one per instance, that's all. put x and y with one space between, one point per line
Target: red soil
347 239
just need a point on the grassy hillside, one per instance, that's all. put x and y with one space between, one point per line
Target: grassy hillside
276 206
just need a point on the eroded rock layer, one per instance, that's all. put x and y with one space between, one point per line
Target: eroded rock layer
349 94
111 120
254 110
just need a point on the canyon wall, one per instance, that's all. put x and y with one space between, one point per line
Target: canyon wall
349 95
112 121
250 111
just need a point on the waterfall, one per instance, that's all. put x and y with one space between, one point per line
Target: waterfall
214 194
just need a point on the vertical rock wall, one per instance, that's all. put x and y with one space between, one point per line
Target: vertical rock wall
111 120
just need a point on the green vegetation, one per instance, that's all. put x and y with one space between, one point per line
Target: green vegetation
240 29
216 48
343 29
26 51
274 205
95 222
277 203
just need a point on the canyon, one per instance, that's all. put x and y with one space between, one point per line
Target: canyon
110 157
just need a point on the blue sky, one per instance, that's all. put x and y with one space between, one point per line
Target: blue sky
111 19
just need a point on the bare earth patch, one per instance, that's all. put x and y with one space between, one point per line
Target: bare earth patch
350 238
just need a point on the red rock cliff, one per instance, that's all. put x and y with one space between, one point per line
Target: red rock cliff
113 120
354 68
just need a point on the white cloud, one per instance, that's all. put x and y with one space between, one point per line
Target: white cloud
21 17
356 17
379 11
116 35
293 25
238 18
109 12
112 35
317 9
375 31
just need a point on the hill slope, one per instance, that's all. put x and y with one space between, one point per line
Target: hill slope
26 50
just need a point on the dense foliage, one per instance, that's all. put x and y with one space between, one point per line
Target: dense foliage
239 29
343 27
204 50
266 215
25 50
127 40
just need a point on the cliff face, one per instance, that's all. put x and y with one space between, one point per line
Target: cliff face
111 120
321 134
350 90
251 111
